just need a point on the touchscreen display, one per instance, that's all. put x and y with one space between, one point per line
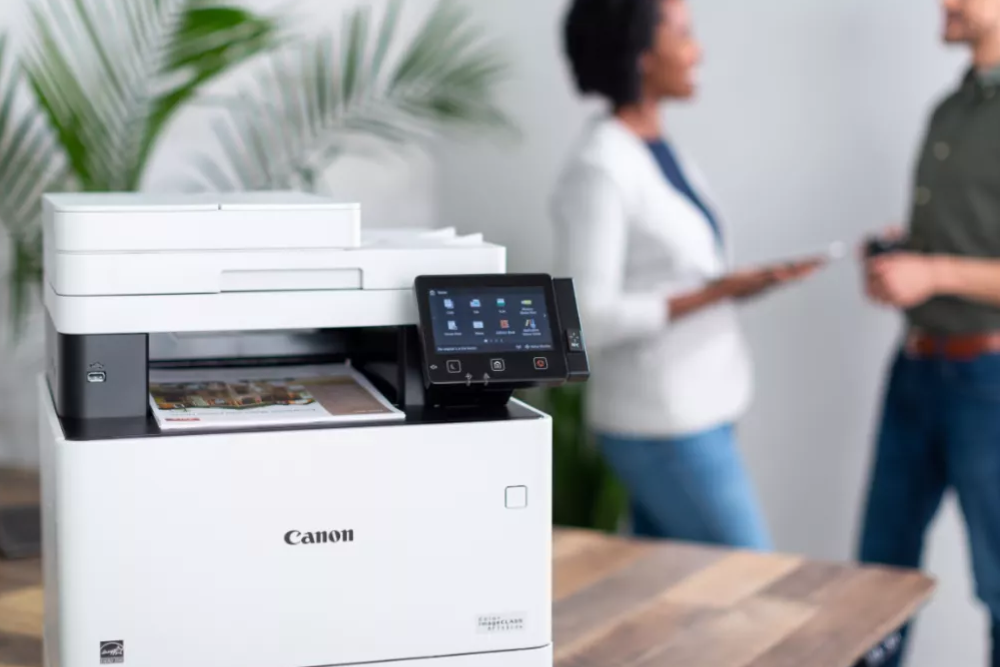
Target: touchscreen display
490 319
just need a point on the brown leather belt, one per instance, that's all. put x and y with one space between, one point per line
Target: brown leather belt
952 348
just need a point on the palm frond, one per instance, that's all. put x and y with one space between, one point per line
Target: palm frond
213 39
103 80
445 77
309 106
29 164
25 275
109 76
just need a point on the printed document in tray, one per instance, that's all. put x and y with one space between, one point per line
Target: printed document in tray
267 396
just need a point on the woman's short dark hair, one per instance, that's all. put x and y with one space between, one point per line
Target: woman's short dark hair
604 40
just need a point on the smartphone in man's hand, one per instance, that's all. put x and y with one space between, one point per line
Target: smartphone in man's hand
883 246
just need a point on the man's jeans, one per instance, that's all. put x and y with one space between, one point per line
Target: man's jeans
940 429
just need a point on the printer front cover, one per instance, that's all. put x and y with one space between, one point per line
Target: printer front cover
309 547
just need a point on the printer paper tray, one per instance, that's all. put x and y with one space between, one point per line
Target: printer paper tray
249 397
118 429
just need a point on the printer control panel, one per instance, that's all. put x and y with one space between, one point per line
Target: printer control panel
502 329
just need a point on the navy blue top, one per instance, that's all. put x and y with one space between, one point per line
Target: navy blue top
671 168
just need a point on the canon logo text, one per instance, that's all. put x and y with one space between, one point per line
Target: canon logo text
296 538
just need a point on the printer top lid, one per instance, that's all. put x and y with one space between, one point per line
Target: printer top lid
142 222
112 202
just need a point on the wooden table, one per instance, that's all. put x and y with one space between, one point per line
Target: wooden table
20 593
623 603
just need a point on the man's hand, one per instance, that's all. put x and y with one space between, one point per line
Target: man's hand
901 280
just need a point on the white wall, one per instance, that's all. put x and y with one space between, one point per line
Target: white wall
807 125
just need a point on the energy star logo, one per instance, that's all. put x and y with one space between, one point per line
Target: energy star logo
112 653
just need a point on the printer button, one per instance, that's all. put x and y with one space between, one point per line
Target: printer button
574 340
454 366
541 364
517 497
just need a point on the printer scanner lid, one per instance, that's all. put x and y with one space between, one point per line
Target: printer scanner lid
141 222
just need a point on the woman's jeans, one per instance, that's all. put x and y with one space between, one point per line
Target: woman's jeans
692 489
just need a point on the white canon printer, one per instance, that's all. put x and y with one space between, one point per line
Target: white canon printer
424 540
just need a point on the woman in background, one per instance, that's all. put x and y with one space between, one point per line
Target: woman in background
637 232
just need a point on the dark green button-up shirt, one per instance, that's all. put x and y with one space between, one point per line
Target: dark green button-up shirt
956 202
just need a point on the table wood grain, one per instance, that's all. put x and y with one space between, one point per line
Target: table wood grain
627 603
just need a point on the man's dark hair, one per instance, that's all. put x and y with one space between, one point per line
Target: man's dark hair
604 40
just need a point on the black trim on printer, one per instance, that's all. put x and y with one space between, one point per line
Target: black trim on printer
103 376
100 383
577 361
482 376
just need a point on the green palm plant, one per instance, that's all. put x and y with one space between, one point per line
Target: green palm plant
310 106
84 109
29 163
108 81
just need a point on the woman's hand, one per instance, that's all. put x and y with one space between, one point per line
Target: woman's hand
741 285
752 283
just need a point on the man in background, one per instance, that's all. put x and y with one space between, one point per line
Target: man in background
941 419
